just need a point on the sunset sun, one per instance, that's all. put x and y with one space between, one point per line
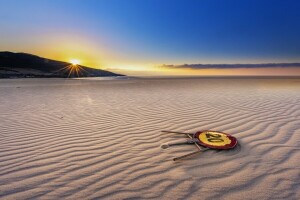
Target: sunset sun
75 62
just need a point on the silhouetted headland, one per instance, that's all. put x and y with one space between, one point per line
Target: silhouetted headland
23 65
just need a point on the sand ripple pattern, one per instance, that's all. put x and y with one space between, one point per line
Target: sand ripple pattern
87 139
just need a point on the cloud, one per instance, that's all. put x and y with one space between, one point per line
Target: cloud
232 66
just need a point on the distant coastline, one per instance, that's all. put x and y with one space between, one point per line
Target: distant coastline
23 65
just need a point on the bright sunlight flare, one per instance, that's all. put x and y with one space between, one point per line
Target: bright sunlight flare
75 62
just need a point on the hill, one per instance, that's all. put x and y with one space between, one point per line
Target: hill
23 65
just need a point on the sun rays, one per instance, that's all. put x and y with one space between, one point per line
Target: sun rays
73 70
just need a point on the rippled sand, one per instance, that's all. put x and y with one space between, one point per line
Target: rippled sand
91 139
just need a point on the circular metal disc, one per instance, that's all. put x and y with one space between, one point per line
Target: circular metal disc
215 139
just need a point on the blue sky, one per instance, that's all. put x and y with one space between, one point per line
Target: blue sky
156 31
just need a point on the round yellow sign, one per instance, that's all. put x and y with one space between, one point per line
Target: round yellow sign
215 139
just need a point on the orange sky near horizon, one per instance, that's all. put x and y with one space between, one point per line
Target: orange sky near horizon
95 58
97 55
134 37
161 71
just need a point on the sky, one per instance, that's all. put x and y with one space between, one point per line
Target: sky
140 36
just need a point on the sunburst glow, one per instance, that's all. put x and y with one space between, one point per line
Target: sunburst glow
75 62
73 70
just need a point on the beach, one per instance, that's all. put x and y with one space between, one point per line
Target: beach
101 139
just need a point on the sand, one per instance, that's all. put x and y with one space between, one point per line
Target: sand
101 139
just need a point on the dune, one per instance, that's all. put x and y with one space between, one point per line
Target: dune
101 139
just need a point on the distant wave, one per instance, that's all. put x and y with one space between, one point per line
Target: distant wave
105 78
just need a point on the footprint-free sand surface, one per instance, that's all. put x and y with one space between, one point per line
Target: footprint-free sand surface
92 139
